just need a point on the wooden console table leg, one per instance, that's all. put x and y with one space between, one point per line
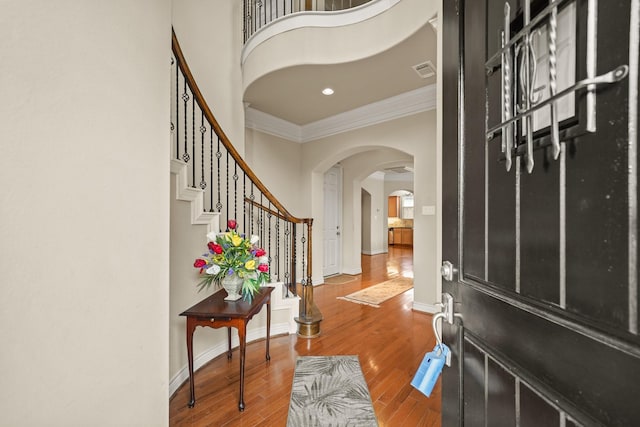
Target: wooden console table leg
190 328
268 357
229 354
242 334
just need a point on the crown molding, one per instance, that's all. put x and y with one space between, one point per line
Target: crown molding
405 104
272 125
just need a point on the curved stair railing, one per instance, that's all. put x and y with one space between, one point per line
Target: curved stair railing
231 189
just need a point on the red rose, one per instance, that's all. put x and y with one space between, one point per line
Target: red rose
232 224
217 249
199 263
211 246
263 268
260 252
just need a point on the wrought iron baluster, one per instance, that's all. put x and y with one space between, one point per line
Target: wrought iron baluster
253 14
227 192
277 256
252 197
244 196
193 140
203 183
244 21
268 242
286 265
177 111
235 189
293 260
210 168
185 98
219 181
303 240
261 220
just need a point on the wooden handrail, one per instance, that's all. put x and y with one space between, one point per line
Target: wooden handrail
310 317
182 63
275 213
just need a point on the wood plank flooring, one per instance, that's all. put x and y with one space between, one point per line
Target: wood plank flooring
390 342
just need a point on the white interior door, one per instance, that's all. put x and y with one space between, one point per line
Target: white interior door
332 224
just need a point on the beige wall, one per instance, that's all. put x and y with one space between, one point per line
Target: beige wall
277 162
210 35
377 220
84 213
413 136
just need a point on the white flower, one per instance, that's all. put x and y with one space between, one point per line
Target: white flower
254 239
212 236
214 269
263 260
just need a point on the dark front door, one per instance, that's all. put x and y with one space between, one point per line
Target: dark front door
540 210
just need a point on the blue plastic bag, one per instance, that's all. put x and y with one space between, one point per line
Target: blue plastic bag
430 369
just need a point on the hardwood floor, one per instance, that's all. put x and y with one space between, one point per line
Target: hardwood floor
390 342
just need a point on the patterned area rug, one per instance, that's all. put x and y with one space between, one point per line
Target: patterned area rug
377 294
330 391
340 279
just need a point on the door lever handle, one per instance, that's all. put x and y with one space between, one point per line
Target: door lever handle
447 314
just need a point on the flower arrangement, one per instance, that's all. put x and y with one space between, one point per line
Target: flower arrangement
231 254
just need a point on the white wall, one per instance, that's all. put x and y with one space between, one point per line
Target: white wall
84 255
374 185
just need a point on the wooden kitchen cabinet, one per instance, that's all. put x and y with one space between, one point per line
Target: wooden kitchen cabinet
401 236
406 236
394 207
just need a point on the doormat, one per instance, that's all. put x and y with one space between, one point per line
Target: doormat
340 279
377 294
330 391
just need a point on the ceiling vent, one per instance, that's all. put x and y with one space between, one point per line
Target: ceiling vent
426 69
400 169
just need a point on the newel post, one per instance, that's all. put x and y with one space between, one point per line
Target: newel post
310 316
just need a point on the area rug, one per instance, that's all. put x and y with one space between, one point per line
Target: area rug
330 391
377 294
340 279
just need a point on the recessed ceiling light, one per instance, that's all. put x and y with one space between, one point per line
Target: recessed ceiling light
327 91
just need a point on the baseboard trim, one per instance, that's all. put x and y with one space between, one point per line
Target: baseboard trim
376 252
352 271
426 308
221 348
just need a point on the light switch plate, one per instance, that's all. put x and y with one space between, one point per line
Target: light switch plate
428 210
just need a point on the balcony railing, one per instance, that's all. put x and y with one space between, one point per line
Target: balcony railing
258 13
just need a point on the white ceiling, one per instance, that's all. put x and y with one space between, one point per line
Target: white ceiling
294 94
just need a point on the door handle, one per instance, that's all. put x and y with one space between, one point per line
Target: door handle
447 271
447 314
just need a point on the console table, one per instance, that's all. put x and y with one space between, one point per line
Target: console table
215 312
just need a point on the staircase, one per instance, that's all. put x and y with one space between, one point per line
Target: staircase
219 185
